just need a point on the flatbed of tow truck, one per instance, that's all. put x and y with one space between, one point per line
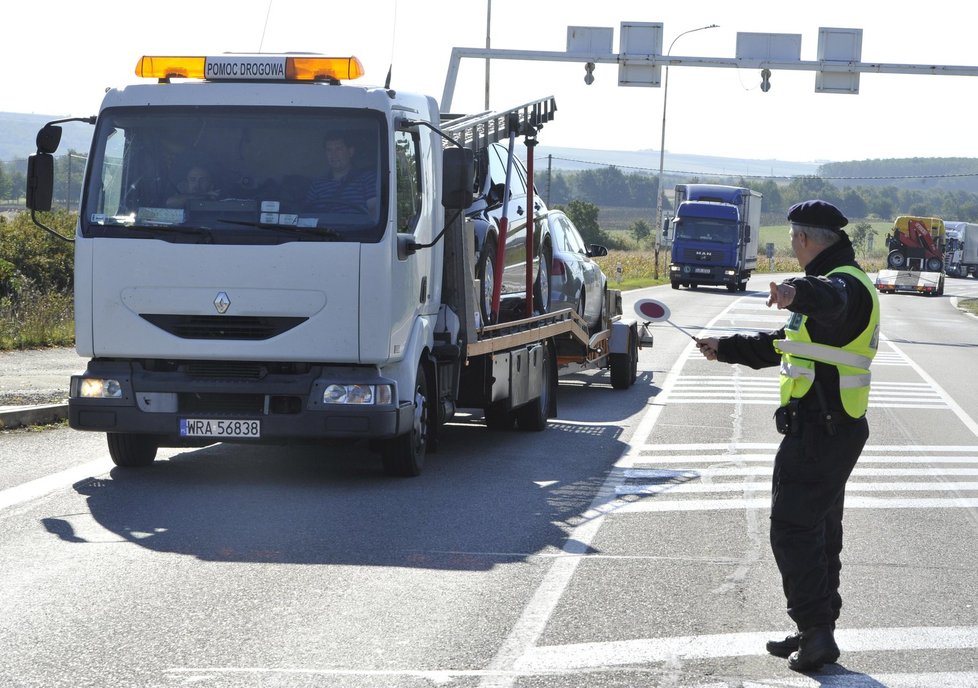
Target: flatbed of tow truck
910 281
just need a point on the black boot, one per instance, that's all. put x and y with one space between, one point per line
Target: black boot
784 648
816 648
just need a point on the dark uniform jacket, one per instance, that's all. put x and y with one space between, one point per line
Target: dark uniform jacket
838 309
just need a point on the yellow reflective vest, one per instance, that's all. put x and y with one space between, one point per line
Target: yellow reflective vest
799 355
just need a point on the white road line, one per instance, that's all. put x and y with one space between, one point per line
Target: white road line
660 505
958 411
660 459
538 611
711 473
34 489
582 656
765 486
773 446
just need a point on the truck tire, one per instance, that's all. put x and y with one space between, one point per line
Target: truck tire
131 451
403 456
533 416
935 264
675 285
896 260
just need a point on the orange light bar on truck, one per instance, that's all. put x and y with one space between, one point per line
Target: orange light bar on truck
250 67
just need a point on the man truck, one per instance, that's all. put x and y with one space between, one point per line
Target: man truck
915 262
715 236
261 314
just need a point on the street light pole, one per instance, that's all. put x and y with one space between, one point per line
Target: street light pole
662 148
488 25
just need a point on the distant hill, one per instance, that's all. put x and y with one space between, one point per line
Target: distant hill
18 135
572 159
18 132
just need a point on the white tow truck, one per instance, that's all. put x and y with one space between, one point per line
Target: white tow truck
263 309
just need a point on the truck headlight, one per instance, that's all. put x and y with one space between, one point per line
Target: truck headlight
674 268
729 273
96 388
357 394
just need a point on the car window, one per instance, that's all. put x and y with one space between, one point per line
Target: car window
497 170
572 237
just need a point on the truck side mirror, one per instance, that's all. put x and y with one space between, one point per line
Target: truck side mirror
746 232
40 181
665 228
48 138
458 178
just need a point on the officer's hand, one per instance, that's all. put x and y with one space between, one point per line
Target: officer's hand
782 295
707 347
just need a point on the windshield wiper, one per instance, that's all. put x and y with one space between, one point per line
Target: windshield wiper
169 229
309 231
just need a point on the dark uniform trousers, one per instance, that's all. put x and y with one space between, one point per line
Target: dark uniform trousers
807 497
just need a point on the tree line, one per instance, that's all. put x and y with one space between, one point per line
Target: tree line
610 187
69 170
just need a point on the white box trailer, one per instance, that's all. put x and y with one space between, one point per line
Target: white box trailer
961 256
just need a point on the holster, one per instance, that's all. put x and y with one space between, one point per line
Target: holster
787 419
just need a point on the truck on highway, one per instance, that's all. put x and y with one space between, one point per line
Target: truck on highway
961 255
322 286
715 236
915 262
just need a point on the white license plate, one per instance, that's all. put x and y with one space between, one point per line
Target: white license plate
702 270
211 427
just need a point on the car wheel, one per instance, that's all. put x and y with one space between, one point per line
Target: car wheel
541 288
486 274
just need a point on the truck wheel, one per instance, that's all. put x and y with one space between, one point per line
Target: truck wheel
404 455
131 451
486 275
934 264
732 287
533 416
675 285
896 260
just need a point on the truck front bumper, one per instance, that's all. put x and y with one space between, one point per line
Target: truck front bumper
288 405
703 274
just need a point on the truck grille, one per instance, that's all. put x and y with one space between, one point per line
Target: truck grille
251 404
692 255
222 326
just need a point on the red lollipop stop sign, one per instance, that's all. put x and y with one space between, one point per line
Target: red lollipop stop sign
651 310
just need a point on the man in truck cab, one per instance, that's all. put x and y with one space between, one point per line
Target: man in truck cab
347 187
824 350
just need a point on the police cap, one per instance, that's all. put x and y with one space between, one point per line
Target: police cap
817 213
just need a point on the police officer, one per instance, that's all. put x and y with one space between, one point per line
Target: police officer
824 350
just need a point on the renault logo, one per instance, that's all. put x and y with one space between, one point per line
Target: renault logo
222 302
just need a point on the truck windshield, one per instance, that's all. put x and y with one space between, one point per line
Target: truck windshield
696 229
236 175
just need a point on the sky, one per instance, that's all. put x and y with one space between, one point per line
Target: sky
59 56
